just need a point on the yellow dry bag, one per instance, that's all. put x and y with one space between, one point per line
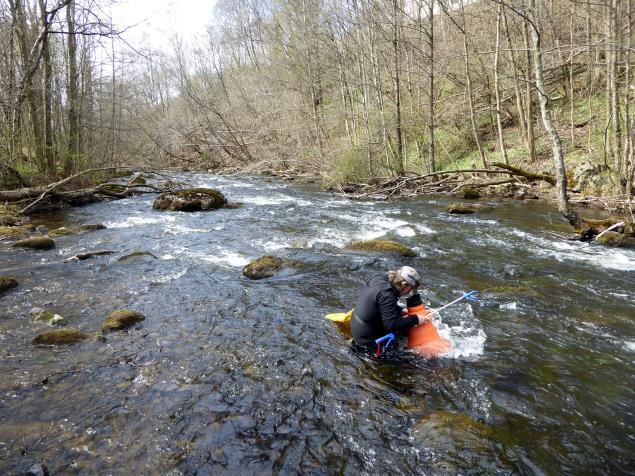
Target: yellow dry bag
343 321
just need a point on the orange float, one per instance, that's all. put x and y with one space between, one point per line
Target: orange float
424 339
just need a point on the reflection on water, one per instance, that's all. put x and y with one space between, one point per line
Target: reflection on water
236 376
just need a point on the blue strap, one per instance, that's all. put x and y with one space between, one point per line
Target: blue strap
388 339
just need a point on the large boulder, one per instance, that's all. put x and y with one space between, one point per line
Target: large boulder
471 193
121 319
59 336
263 267
388 246
190 200
36 243
7 283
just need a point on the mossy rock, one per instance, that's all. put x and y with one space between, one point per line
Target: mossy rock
36 243
62 231
91 227
6 283
50 318
9 218
461 209
59 337
136 254
121 319
138 180
471 193
610 238
263 267
14 232
233 206
388 246
190 200
628 242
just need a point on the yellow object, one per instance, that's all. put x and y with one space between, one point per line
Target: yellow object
343 321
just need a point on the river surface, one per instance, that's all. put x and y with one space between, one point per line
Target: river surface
229 375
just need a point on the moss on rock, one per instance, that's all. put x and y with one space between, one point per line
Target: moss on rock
138 180
91 227
59 336
36 243
136 254
13 232
190 200
62 231
610 238
121 319
9 216
263 267
471 193
6 283
464 209
388 246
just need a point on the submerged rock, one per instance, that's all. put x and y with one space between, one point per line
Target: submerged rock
263 267
389 246
190 200
91 227
121 319
7 283
136 254
59 336
446 432
233 206
36 243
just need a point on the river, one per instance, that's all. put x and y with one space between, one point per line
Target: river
230 375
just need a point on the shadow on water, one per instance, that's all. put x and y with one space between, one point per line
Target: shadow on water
228 375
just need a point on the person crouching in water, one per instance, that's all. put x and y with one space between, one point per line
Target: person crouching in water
377 312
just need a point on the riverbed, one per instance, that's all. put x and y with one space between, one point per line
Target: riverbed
231 375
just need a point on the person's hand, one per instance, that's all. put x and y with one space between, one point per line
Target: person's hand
404 312
424 317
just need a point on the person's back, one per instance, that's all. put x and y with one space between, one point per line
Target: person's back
377 312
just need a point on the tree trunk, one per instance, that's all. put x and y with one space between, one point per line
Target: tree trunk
47 120
529 118
73 93
431 152
556 145
499 124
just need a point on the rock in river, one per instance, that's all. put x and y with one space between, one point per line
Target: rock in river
7 283
59 336
91 227
263 267
36 243
381 245
190 200
463 209
121 320
62 231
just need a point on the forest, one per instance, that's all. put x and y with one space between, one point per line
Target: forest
349 91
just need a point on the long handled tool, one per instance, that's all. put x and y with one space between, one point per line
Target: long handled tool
471 296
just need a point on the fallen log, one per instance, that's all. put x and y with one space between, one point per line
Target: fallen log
528 175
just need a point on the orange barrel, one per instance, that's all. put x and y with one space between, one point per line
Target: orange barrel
424 338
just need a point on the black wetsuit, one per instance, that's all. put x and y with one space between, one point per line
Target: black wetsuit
377 312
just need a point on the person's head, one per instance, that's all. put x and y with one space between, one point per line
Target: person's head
404 280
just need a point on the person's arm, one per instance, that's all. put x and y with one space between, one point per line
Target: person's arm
391 314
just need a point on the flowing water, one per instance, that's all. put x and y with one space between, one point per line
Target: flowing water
230 375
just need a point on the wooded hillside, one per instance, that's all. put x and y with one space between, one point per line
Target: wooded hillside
352 90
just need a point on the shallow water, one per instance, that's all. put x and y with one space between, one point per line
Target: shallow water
228 375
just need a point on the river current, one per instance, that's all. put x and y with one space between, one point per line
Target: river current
232 376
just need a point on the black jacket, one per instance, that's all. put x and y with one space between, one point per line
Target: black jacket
377 312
